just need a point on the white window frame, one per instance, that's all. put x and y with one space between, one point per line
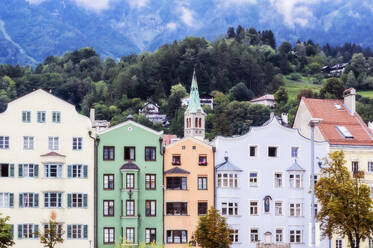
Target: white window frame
296 209
234 235
275 185
48 199
256 237
56 117
339 243
5 200
28 142
47 170
28 170
295 233
278 238
77 143
254 181
53 143
41 116
26 116
256 150
253 208
370 166
4 142
229 206
279 209
277 151
294 182
292 152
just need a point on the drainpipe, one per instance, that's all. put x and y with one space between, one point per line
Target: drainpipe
96 142
164 202
213 165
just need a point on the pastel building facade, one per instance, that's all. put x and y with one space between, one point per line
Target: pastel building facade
263 186
47 165
130 193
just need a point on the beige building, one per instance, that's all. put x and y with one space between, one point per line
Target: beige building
47 165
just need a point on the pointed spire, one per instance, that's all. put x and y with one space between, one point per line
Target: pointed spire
194 101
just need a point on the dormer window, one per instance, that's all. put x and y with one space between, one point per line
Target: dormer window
176 160
344 132
338 106
202 160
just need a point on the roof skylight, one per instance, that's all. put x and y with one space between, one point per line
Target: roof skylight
338 106
344 131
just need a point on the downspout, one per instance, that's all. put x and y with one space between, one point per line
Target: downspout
96 142
164 201
213 159
161 151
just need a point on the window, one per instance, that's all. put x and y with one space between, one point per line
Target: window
202 208
278 209
77 200
6 200
150 207
227 180
294 152
28 143
344 132
4 142
176 160
108 181
177 208
176 183
41 116
150 235
130 208
253 208
28 170
58 229
296 209
108 208
338 243
183 147
254 235
316 208
27 231
77 143
296 181
56 117
253 179
295 236
26 116
130 181
53 170
53 143
202 183
234 235
177 236
370 243
355 166
252 151
28 200
77 171
129 153
278 180
53 199
130 234
272 151
202 160
150 153
109 235
150 181
370 166
193 147
77 231
279 235
109 153
229 208
6 170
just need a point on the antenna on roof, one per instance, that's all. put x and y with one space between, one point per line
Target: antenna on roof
50 91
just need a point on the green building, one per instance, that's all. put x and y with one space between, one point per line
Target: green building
130 193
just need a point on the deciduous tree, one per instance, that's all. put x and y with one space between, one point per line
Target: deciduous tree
53 234
6 237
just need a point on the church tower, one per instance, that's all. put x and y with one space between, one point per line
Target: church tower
194 117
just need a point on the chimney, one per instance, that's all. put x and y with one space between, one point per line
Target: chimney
284 118
349 100
92 115
370 125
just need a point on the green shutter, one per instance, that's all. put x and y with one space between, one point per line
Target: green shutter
21 200
20 231
36 200
85 171
85 231
85 200
11 167
11 200
69 171
20 170
36 170
69 200
69 231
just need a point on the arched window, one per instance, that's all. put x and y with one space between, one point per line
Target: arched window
267 206
200 122
196 122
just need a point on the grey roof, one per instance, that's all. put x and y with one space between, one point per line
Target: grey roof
176 170
295 167
227 166
129 166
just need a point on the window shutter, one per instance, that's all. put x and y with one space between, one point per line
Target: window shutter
12 231
69 200
69 231
20 200
20 231
69 171
85 171
36 170
85 200
11 200
20 170
59 173
36 230
36 200
11 167
85 231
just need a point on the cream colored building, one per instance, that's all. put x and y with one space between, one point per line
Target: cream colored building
47 165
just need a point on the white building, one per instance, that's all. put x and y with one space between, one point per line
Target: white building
204 99
263 186
266 100
47 165
151 112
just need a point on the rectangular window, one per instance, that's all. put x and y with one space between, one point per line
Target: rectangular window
77 200
130 181
202 183
339 243
130 235
26 116
150 153
129 153
253 208
41 116
253 179
150 181
177 236
296 209
108 181
4 142
77 143
28 143
130 208
176 160
202 160
176 208
6 200
150 207
226 180
355 166
28 200
254 235
176 183
53 199
294 152
77 231
6 170
278 209
109 153
252 151
370 166
28 231
272 151
108 208
53 143
150 235
296 181
53 170
109 235
370 243
56 117
279 236
229 208
77 171
28 170
295 236
234 235
278 180
202 208
58 229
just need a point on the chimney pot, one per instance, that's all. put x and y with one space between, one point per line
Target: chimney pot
349 99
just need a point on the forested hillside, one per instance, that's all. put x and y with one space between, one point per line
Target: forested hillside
234 69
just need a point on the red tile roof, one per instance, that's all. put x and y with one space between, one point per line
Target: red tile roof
51 154
326 110
167 138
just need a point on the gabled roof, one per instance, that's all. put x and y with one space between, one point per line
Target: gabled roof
263 98
227 166
129 166
176 170
167 138
133 123
52 154
194 101
334 113
295 167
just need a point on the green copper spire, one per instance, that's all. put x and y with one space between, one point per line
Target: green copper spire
194 101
